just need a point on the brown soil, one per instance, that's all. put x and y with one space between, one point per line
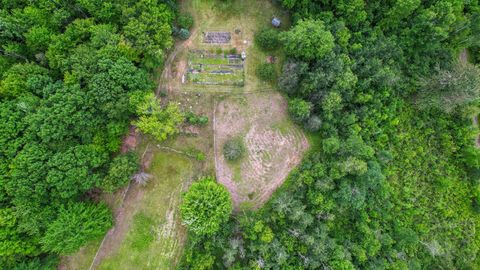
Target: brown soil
274 146
463 56
130 141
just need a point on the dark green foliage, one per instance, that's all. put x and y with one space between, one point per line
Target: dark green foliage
122 168
266 72
205 207
67 71
183 34
308 40
185 20
391 186
292 75
74 226
314 123
268 39
193 119
233 149
299 109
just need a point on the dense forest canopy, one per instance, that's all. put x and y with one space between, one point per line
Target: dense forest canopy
69 75
394 182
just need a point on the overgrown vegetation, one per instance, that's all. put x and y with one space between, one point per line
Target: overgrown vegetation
67 72
233 149
266 72
394 183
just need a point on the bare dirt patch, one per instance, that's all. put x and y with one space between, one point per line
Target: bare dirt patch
130 141
273 144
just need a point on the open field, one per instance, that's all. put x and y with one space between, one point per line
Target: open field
273 145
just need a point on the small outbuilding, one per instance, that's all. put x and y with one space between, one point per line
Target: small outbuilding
276 22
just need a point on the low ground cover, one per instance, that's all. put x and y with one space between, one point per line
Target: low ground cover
215 68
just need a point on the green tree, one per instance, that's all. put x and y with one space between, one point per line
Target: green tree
75 170
38 38
299 109
205 207
183 34
17 80
74 226
185 20
120 172
12 241
149 30
155 121
268 39
292 73
308 40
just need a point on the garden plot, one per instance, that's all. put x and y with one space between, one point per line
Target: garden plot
207 68
273 146
217 37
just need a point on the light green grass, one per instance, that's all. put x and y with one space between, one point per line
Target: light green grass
211 63
155 237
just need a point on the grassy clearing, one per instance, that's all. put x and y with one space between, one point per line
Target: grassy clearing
248 16
155 237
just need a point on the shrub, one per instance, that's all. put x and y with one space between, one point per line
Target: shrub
266 72
233 149
267 39
183 34
314 123
185 20
193 119
205 206
299 109
292 73
120 172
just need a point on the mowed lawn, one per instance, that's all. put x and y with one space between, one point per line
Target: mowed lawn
155 237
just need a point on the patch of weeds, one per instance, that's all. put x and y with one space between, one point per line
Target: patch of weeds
284 127
195 153
233 149
142 233
247 205
237 172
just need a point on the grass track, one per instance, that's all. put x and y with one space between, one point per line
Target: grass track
155 236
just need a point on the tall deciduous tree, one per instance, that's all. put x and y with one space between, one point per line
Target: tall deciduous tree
308 40
205 207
